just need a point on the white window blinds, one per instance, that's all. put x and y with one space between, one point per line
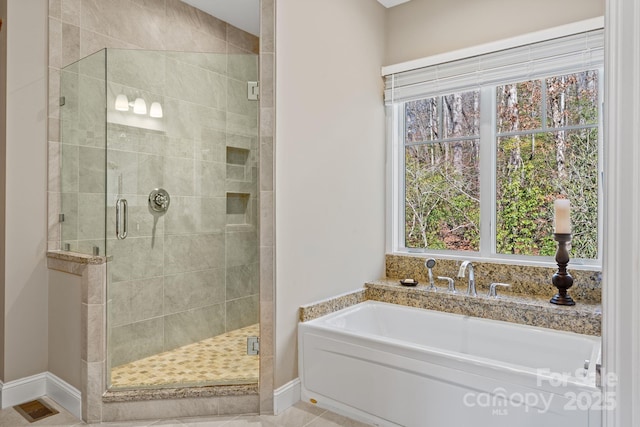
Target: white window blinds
577 52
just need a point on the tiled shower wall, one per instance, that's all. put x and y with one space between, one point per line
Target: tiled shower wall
209 254
79 28
193 272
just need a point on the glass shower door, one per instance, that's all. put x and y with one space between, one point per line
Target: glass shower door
181 195
82 155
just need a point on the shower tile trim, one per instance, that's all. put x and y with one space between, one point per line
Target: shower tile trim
266 216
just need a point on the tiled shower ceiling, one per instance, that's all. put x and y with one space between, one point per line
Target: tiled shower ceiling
244 14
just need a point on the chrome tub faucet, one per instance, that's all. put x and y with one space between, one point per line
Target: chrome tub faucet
471 289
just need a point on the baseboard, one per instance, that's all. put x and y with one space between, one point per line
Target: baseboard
286 396
64 395
25 389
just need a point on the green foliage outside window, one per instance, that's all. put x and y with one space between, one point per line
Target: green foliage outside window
546 148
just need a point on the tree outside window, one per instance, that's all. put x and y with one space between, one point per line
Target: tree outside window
546 147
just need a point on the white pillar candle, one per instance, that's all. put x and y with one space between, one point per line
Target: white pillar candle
562 216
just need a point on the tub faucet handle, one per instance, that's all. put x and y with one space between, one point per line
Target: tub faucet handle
451 286
492 288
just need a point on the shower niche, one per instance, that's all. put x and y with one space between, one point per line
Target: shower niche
183 281
240 176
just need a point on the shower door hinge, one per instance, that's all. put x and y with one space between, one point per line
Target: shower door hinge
253 346
63 101
253 91
61 217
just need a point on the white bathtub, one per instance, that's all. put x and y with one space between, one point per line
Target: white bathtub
392 365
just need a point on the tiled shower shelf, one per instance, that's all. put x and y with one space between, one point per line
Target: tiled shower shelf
535 311
237 159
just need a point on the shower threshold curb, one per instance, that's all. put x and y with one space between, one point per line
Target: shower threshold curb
179 392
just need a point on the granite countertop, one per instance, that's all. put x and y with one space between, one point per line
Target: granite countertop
583 318
77 257
525 280
178 393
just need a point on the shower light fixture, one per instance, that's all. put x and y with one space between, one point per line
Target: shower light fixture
122 103
155 110
139 106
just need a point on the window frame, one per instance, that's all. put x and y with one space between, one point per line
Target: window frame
488 136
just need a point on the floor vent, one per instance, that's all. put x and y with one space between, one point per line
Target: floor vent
35 410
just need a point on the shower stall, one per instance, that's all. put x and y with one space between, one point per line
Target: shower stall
159 155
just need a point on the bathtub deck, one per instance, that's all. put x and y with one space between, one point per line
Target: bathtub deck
221 359
583 318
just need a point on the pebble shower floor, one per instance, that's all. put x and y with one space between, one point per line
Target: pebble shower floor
221 359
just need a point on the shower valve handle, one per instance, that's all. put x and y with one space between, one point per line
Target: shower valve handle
159 200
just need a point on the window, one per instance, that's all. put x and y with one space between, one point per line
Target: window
478 165
441 173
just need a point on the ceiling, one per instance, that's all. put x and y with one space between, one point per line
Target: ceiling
391 3
244 14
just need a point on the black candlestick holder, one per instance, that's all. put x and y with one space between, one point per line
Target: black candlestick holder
562 279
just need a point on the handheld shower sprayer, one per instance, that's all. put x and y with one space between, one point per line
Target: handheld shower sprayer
430 263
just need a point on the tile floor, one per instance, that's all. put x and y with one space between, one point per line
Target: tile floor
221 359
299 415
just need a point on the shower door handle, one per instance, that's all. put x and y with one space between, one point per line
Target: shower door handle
122 217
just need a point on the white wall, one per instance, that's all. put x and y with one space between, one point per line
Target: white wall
330 163
26 181
3 163
423 28
621 264
64 325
